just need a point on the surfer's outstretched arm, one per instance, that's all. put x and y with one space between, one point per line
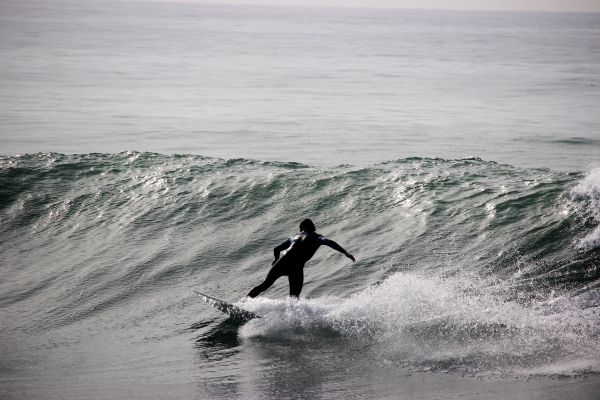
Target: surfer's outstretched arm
335 246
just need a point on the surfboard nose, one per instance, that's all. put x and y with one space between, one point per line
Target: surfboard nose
233 311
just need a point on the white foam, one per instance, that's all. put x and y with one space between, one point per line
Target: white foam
456 323
588 190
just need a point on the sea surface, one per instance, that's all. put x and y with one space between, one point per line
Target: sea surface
148 148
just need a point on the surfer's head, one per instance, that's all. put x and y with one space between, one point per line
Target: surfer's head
307 226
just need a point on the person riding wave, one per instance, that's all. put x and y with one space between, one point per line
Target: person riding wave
297 250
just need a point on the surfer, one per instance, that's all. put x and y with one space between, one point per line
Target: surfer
297 250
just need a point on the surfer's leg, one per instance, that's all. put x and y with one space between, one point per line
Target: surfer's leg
296 280
274 274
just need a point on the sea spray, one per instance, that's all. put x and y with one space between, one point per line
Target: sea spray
439 324
588 191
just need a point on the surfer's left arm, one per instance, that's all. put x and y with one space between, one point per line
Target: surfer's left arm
280 248
335 246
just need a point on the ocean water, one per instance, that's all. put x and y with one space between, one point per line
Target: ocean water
316 86
152 148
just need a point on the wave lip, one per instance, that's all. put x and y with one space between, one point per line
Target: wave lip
588 191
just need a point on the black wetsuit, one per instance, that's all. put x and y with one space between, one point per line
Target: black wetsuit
298 250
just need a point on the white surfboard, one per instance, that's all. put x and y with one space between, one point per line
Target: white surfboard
234 312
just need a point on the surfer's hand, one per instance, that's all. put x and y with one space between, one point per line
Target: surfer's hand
350 256
274 261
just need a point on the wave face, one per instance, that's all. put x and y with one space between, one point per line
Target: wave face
465 265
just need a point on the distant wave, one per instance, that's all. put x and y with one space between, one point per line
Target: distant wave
578 141
574 140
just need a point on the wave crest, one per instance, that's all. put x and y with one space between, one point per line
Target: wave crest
588 191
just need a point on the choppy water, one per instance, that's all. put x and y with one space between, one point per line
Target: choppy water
465 267
455 154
